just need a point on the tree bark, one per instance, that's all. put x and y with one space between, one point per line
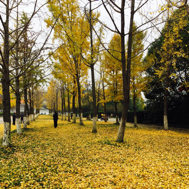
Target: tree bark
105 118
6 83
117 121
125 74
68 106
26 111
79 99
166 125
62 103
134 105
17 93
73 108
94 130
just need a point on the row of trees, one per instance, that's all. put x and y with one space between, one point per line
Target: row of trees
121 67
22 59
168 79
80 35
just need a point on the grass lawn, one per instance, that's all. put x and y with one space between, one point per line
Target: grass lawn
70 156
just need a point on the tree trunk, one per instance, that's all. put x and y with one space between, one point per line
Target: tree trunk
30 109
62 104
115 94
125 74
134 108
73 108
94 130
105 118
6 83
18 121
79 99
17 94
88 98
68 106
33 113
25 106
6 110
117 121
166 126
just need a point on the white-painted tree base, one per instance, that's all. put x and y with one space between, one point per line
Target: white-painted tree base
94 124
25 123
120 132
6 136
81 119
74 118
18 126
33 117
166 127
135 121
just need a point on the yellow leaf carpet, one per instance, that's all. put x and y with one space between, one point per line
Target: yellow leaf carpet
70 156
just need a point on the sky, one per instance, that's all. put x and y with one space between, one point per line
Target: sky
151 7
149 10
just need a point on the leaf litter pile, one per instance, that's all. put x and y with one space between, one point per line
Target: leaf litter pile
70 156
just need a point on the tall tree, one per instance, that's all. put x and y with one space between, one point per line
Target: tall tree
115 9
9 7
94 51
8 34
168 51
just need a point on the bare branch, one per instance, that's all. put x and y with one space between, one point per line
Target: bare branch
111 17
114 4
13 7
147 22
26 25
141 6
2 2
2 58
106 26
2 22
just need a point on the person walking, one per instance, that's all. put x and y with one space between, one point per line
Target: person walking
13 118
55 118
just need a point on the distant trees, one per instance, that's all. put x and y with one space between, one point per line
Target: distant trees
137 68
168 73
113 75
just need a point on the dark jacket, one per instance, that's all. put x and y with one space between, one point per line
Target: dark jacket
55 118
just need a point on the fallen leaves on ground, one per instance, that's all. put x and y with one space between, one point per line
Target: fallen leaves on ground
70 156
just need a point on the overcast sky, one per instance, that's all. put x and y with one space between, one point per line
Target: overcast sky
150 10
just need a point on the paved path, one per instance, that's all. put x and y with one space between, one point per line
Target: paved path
1 120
